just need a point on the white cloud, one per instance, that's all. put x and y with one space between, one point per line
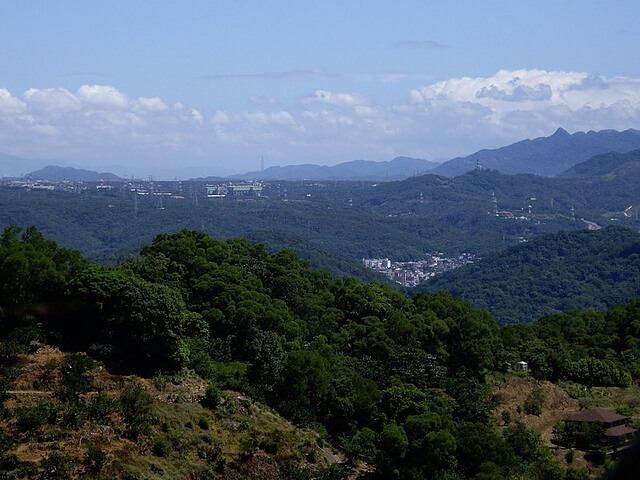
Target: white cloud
220 116
262 118
153 104
441 119
10 105
196 115
52 100
558 98
337 99
102 96
328 117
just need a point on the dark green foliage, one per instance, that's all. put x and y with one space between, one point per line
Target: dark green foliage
30 419
100 406
136 405
525 443
534 402
593 348
478 444
550 274
212 396
74 379
56 466
398 381
95 459
6 442
161 447
203 423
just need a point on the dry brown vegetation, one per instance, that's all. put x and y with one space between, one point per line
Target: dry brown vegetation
238 439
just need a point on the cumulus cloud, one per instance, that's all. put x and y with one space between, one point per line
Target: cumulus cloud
10 105
264 118
196 115
102 96
153 104
519 93
591 82
442 119
338 99
52 100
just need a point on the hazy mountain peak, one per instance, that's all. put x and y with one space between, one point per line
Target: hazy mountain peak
546 156
54 173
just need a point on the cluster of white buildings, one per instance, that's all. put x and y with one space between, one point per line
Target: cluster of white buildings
410 274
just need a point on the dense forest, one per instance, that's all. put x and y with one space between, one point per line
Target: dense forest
551 274
397 382
335 224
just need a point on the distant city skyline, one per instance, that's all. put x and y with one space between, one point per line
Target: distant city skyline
229 87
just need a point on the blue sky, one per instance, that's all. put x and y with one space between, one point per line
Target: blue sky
144 85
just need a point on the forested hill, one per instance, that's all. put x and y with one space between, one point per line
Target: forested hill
550 274
397 382
608 165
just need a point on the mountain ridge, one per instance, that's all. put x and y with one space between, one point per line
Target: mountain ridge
398 168
546 156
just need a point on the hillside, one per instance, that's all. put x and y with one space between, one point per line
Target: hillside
397 382
545 156
550 274
71 418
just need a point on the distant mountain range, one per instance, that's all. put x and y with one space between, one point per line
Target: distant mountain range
481 212
58 174
547 156
397 169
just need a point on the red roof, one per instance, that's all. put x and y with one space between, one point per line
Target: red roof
599 415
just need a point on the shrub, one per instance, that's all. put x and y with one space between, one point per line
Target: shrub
569 456
212 396
506 417
95 459
74 375
203 423
6 442
100 407
48 435
161 447
56 466
9 462
136 405
534 401
30 418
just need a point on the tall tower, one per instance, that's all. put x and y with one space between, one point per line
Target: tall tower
494 200
262 164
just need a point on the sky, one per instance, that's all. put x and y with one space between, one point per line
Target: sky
219 86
